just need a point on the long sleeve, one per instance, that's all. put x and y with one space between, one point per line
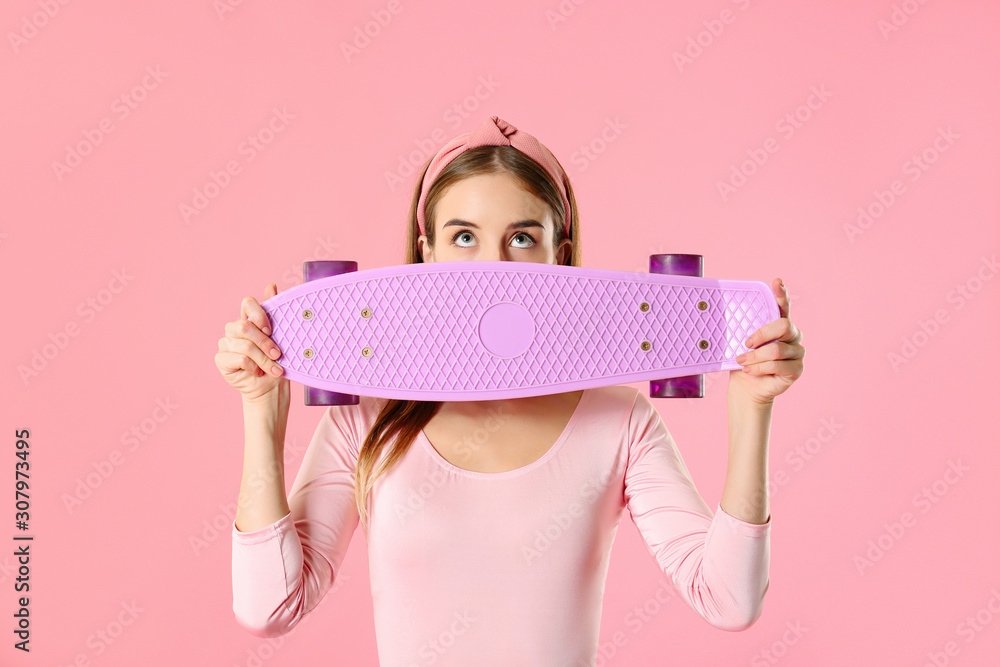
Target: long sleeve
717 564
282 571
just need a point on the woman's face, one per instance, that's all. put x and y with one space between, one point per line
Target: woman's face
490 218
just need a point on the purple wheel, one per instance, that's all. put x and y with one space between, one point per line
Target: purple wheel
677 265
314 271
686 386
326 268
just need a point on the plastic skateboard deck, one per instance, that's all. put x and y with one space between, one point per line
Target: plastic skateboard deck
485 330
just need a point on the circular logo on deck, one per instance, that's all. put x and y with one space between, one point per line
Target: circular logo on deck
506 329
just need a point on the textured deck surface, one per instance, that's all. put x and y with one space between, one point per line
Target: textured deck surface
585 328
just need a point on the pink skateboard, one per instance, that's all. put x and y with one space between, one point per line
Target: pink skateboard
467 331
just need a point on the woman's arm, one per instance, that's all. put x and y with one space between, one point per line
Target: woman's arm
772 364
745 494
717 563
283 569
262 500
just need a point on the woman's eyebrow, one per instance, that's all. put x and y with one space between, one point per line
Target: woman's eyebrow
517 225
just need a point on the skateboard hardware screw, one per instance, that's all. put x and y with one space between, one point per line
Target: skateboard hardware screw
644 306
703 344
366 313
308 353
645 346
367 352
307 314
702 305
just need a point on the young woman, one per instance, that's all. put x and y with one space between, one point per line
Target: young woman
489 523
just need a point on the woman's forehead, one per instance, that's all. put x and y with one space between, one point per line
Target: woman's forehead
490 200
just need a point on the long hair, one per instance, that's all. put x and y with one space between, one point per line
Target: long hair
401 420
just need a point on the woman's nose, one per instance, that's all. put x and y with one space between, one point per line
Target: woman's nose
492 254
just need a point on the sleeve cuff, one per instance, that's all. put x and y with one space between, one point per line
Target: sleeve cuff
744 527
263 534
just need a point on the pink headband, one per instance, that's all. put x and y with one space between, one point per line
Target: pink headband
494 132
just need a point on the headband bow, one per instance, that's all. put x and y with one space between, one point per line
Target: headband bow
494 131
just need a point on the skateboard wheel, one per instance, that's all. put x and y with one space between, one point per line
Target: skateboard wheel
325 268
316 396
314 271
677 265
687 386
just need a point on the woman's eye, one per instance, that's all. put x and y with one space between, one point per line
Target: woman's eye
526 239
455 238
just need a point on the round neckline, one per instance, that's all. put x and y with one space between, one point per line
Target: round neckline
552 451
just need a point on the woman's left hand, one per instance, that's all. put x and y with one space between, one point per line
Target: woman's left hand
770 369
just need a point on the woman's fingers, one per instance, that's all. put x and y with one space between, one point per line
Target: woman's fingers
251 310
247 347
246 329
774 350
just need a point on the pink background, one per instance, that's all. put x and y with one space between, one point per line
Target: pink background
103 250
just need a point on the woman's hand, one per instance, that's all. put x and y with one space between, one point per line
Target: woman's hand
246 356
770 369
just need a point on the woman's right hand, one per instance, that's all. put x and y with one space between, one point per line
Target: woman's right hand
246 356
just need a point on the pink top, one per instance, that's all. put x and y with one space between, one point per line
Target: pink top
499 568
